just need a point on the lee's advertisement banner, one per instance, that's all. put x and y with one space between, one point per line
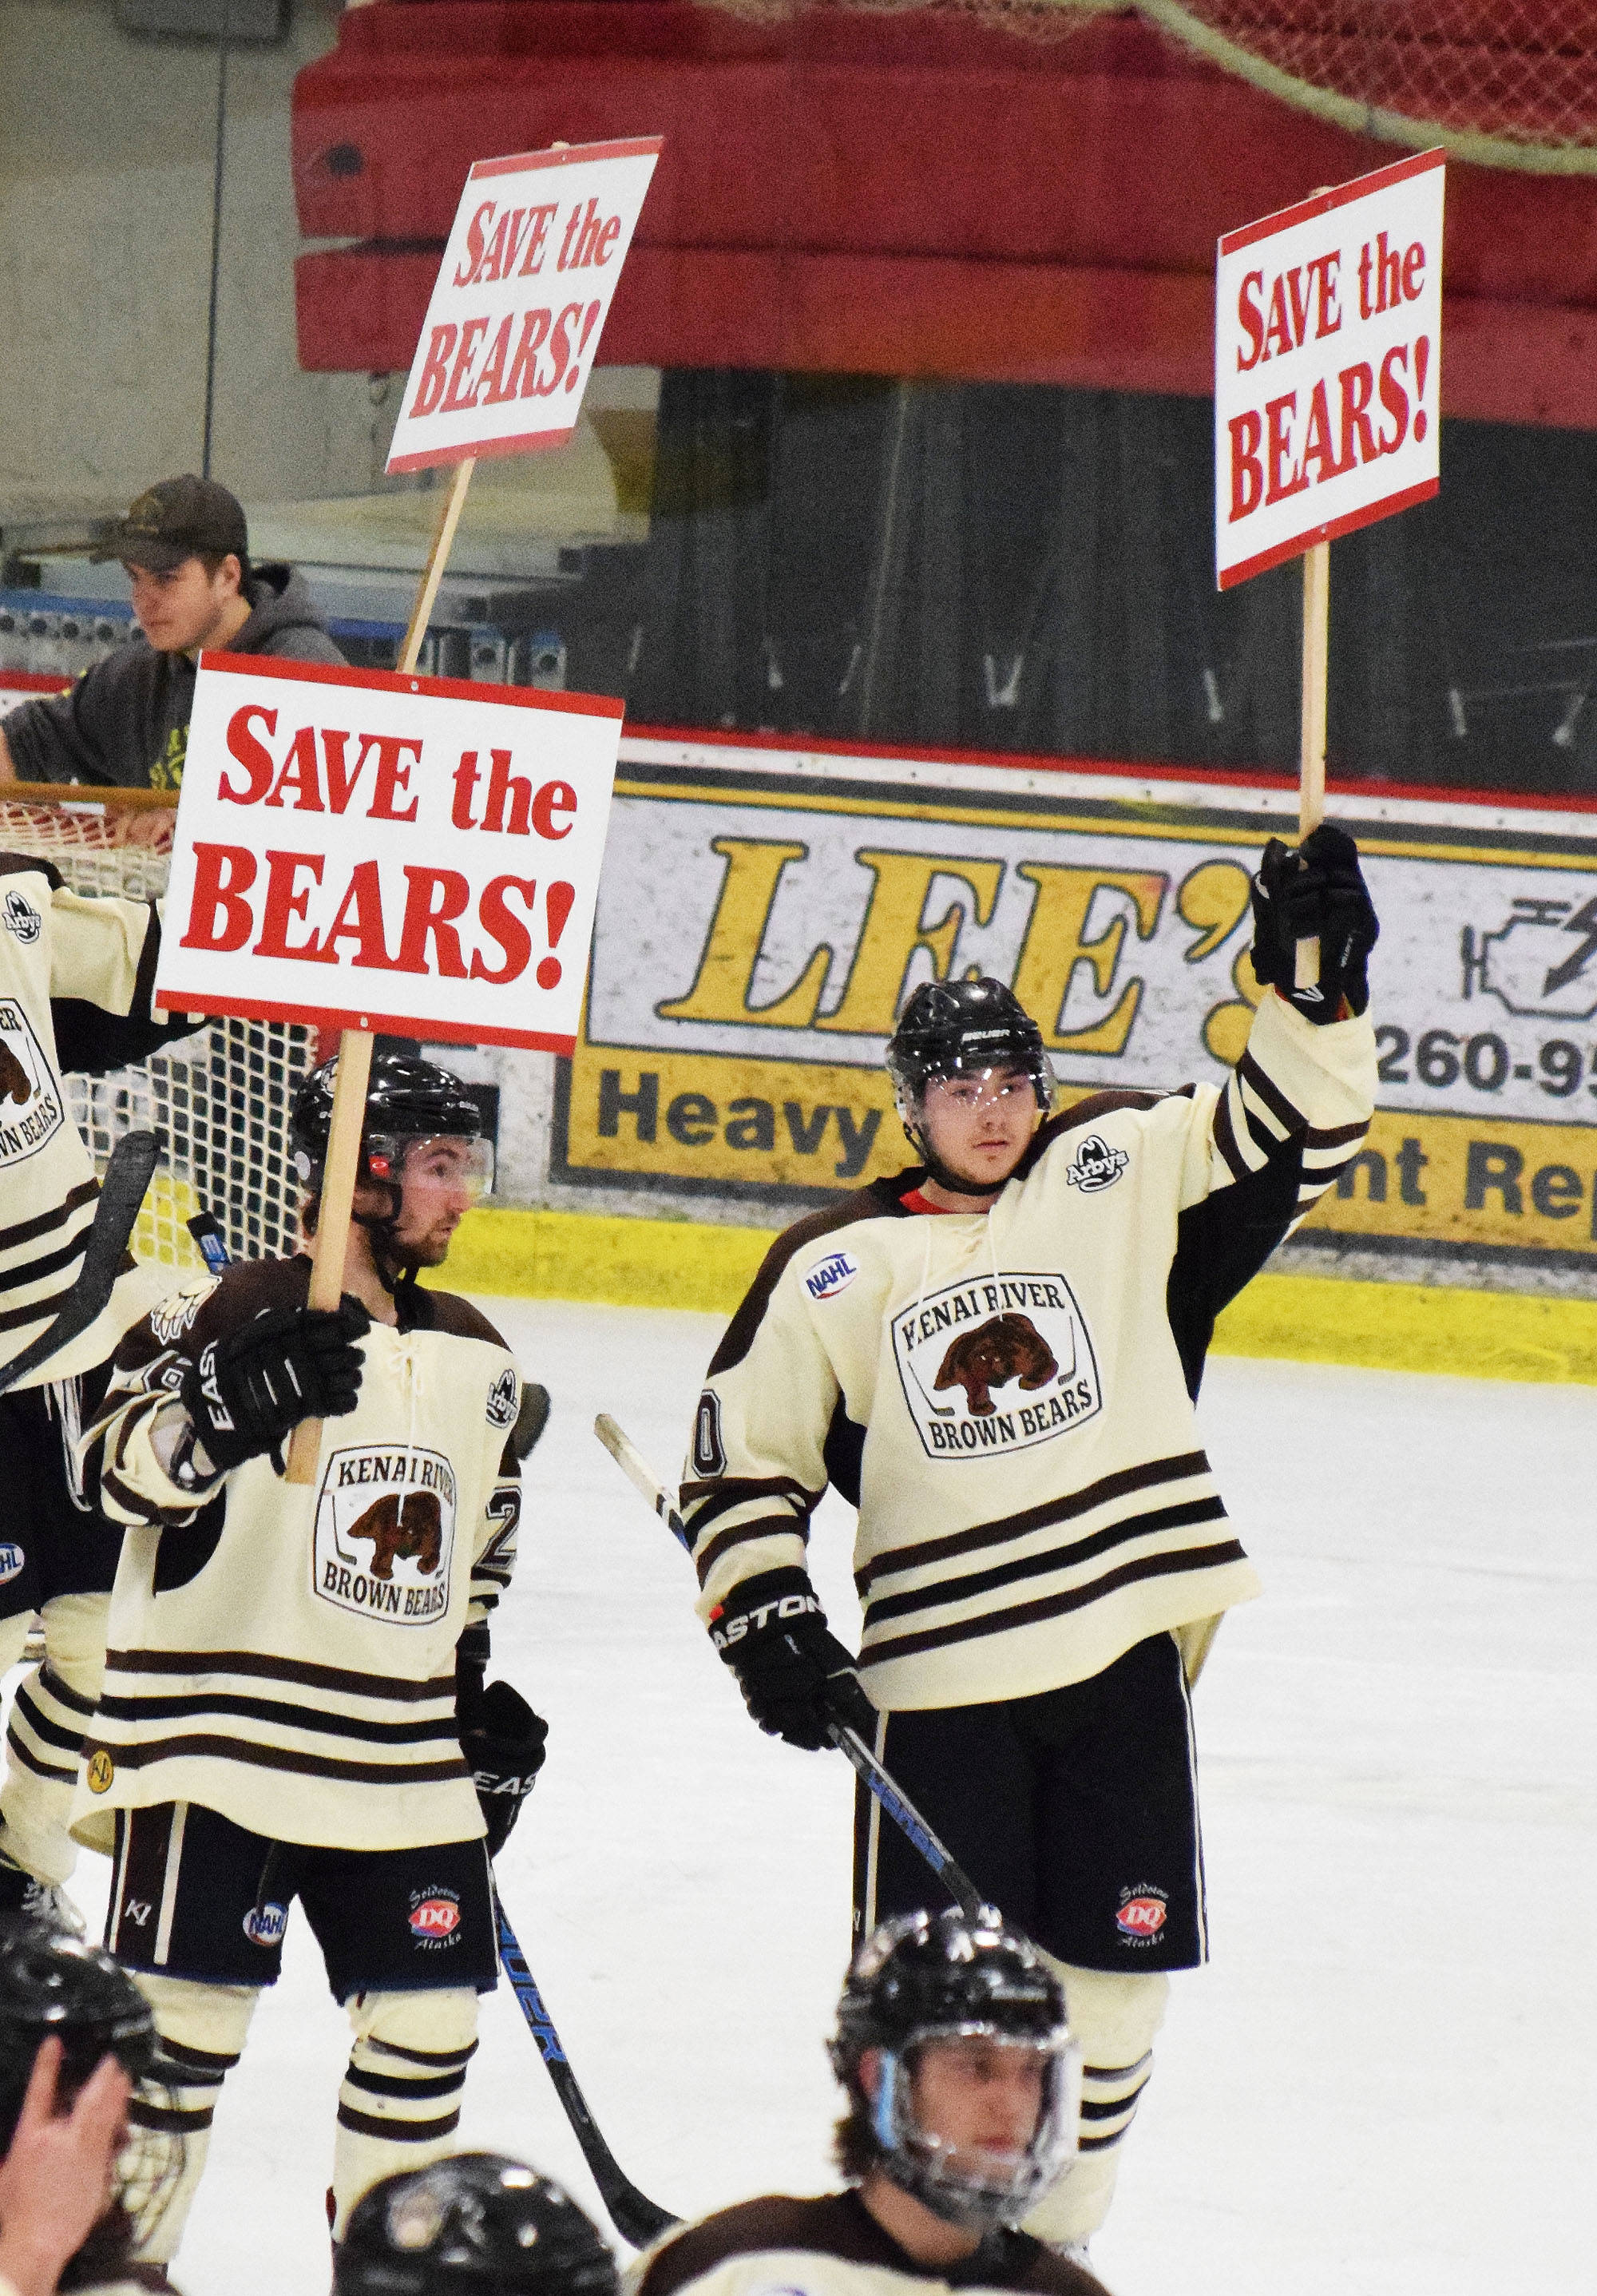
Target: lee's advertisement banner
519 302
366 850
763 914
1328 339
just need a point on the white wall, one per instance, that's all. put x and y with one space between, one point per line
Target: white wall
106 214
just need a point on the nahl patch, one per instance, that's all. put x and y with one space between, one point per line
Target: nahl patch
265 1925
12 1561
995 1364
385 1532
831 1275
1095 1165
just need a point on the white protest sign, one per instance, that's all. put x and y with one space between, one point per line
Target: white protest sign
1328 340
519 301
366 850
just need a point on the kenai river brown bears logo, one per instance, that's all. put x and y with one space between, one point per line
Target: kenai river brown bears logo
996 1363
30 1105
385 1532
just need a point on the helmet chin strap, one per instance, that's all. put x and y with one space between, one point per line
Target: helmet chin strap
394 1271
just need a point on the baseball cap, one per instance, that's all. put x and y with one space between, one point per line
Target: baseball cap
174 520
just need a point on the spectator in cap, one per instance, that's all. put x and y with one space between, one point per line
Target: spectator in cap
185 545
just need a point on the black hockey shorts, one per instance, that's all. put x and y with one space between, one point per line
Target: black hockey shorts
1076 1813
195 1895
51 1541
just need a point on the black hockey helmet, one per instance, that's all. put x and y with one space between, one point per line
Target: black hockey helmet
53 1986
922 1978
962 1028
408 1100
478 2225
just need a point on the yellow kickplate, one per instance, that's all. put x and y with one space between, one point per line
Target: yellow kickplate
648 1263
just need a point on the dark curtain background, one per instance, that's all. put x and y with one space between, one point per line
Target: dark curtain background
1010 568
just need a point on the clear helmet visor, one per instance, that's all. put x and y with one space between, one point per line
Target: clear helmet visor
445 1168
976 2182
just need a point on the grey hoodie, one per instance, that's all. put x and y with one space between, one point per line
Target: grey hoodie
126 722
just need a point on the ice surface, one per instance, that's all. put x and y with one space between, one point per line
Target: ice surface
1383 2083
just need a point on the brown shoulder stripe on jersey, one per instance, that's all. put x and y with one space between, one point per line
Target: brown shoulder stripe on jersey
281 1712
1053 1606
835 2224
277 1669
880 1201
1092 1109
741 1534
448 1313
1176 1469
967 1586
32 864
203 1746
41 1224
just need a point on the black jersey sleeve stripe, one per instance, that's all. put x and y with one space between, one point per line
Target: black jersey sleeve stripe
702 1504
202 1745
25 1231
50 1263
51 1681
963 1589
196 1663
1052 1606
1334 1135
36 1762
1225 1140
397 2131
769 1525
1253 1075
1152 1472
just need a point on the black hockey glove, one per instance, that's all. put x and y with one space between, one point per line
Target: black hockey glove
1316 893
795 1676
503 1742
250 1390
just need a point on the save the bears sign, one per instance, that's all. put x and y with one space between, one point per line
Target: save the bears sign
995 1364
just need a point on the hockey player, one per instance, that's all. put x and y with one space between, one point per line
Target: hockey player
475 2225
294 1702
76 972
995 1357
964 2085
75 2193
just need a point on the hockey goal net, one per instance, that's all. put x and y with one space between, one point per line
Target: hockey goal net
220 1099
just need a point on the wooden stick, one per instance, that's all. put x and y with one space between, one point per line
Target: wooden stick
355 1044
1311 757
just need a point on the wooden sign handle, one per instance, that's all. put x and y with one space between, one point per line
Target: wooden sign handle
1310 756
355 1044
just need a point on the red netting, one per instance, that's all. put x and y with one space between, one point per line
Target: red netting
1512 82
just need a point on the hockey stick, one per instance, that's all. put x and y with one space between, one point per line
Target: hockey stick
637 2218
897 1804
121 1196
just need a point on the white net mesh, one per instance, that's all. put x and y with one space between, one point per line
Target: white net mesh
220 1099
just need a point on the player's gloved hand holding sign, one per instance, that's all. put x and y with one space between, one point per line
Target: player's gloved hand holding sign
795 1676
250 1390
1316 893
503 1742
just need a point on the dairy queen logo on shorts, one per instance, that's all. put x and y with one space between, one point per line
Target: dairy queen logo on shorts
434 1918
995 1364
1142 1912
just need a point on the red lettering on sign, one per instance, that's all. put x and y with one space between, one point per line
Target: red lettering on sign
475 242
1394 397
253 756
219 917
299 773
284 903
537 231
436 896
1280 483
555 798
360 918
514 940
434 371
393 776
1247 471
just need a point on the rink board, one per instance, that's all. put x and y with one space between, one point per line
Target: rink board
764 912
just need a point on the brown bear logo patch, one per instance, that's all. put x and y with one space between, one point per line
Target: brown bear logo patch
15 1083
1007 1347
409 1527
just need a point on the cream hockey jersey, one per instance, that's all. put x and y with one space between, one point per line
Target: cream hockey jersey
833 2246
282 1653
1008 1397
75 975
